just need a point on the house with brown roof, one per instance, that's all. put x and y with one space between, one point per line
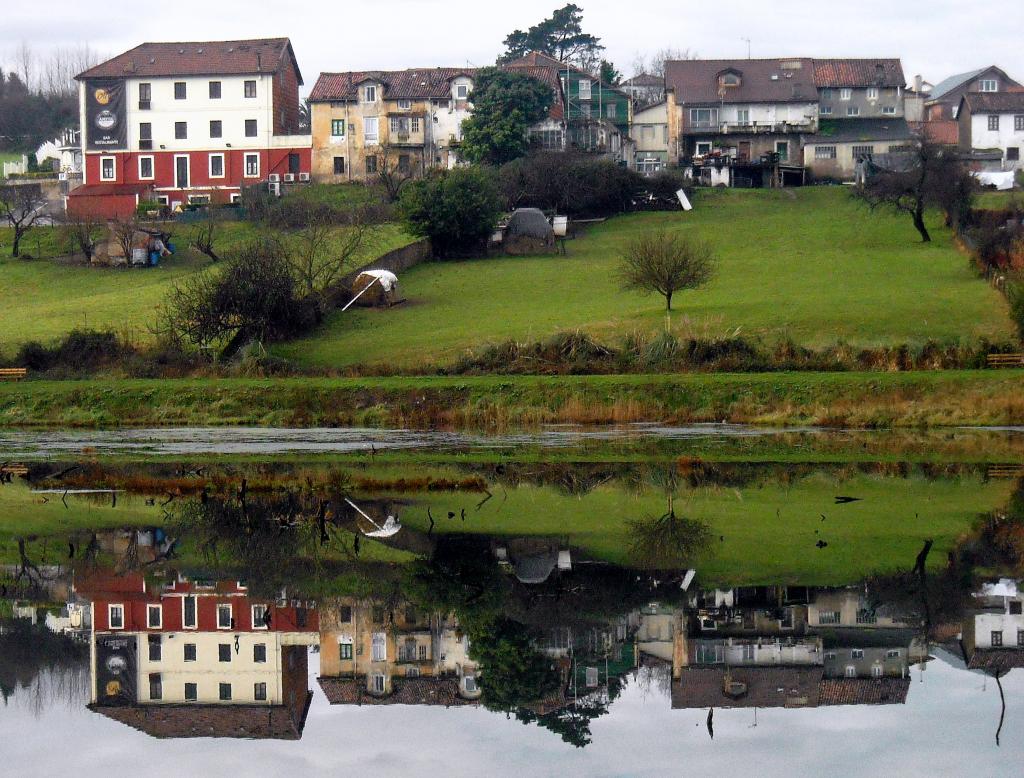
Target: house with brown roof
943 101
400 122
994 122
189 122
992 633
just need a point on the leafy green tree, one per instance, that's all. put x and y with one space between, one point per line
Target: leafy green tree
608 74
504 106
560 36
515 673
457 209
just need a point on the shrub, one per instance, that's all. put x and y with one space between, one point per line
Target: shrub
457 209
573 184
1015 296
80 351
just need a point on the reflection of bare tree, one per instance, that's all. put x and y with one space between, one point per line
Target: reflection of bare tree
654 678
40 668
668 541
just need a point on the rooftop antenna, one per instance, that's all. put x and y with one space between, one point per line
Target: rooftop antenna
748 46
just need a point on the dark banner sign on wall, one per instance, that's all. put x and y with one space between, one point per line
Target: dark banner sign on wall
106 114
115 669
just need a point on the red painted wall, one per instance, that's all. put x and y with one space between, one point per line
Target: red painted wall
135 614
102 206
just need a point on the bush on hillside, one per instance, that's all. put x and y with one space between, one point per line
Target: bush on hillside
80 351
573 184
457 209
1015 296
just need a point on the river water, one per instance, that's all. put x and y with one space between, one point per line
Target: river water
630 601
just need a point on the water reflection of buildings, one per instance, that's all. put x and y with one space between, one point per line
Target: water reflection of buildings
371 654
993 630
194 658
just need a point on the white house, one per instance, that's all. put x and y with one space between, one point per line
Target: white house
991 121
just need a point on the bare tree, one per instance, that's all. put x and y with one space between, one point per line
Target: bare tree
206 233
124 228
395 168
666 263
81 232
654 64
322 252
21 206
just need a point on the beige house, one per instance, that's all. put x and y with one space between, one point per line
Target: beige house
650 134
406 121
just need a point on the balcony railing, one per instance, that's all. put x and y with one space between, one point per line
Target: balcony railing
748 128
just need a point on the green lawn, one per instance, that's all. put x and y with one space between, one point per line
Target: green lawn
809 263
42 299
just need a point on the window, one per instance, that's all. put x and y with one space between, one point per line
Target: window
826 152
379 647
225 692
1018 123
782 149
461 91
550 140
399 124
260 615
469 683
191 692
415 124
250 128
585 89
224 652
345 651
1015 606
199 199
853 110
188 612
403 164
872 93
156 688
145 96
250 89
180 92
371 164
703 147
370 94
889 110
252 165
611 110
743 116
216 128
404 105
339 165
993 122
370 129
145 168
338 128
180 130
259 653
1012 155
190 652
997 638
876 671
216 166
892 653
108 168
826 93
378 682
704 117
412 672
215 90
155 648
115 615
900 149
145 135
863 152
1020 637
851 671
830 655
826 110
224 619
585 110
259 691
421 652
845 94
857 653
989 85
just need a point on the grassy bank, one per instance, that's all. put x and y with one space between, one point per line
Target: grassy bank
809 264
866 400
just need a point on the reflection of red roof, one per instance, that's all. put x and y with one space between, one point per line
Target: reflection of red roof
406 691
235 721
766 687
997 661
107 190
864 691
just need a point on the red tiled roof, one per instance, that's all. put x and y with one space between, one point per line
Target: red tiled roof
695 81
997 661
767 687
944 131
234 721
411 84
863 691
546 75
203 58
405 691
995 102
858 73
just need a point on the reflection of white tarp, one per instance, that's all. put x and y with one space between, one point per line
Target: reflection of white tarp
1000 180
390 527
386 278
1006 587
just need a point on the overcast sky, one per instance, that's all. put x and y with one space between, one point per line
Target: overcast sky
936 38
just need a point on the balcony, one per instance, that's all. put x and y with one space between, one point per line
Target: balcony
748 128
406 138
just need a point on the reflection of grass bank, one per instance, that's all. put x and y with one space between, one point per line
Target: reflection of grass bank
769 530
868 400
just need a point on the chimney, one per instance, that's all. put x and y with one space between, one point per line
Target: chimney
918 83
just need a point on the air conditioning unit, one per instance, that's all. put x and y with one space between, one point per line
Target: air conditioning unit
274 188
144 105
145 145
289 178
304 177
274 178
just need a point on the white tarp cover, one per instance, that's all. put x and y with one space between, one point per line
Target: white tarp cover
1001 180
386 278
684 200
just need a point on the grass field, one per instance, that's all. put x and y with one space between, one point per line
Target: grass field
42 299
809 263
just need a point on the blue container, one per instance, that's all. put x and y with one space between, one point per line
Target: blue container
170 247
154 257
